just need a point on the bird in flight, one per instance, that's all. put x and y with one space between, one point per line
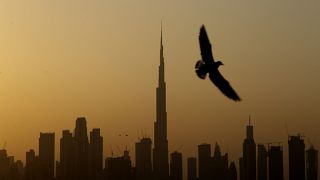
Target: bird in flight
208 65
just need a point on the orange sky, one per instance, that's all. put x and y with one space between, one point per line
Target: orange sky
99 59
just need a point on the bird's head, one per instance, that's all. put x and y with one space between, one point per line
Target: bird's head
219 63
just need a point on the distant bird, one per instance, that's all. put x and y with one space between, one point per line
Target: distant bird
208 65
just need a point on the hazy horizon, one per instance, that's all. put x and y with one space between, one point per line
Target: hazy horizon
60 60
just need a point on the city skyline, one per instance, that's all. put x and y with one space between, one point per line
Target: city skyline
82 158
67 60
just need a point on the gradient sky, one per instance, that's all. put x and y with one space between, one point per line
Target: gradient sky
67 58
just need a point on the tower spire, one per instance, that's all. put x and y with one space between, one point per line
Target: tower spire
161 67
161 34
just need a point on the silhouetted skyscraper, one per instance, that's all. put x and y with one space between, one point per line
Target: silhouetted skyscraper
95 154
192 168
119 168
143 159
66 155
232 172
219 164
249 155
160 152
46 155
296 158
5 163
31 165
262 162
176 166
81 150
275 163
312 164
204 156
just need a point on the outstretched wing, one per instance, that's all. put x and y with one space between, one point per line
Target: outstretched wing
223 85
205 46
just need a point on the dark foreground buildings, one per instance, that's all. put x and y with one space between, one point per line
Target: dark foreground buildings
262 165
210 165
312 164
144 159
119 168
296 158
249 155
216 166
46 155
192 168
275 163
176 166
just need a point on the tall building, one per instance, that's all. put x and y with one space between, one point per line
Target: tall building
296 158
232 172
249 155
81 150
219 164
66 155
176 166
160 151
312 164
204 156
31 165
5 163
275 163
95 154
46 155
119 168
143 159
262 162
17 170
192 168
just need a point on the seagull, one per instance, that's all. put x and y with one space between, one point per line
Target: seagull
208 65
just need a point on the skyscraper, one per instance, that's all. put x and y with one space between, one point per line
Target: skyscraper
204 156
66 155
219 164
5 163
160 151
312 164
176 166
262 162
296 158
249 155
192 168
143 159
275 163
31 169
232 171
119 168
81 150
46 155
95 154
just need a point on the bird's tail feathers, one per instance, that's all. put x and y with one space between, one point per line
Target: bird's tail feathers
201 70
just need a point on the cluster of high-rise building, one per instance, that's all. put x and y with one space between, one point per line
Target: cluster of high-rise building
81 157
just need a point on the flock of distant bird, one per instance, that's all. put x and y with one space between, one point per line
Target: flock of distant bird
208 65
